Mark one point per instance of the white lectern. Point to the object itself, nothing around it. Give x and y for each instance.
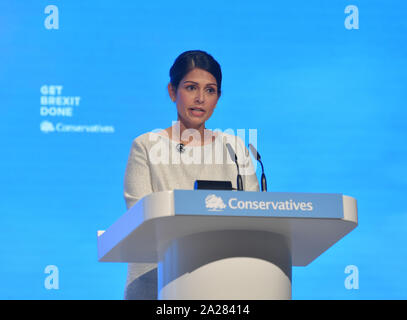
(212, 244)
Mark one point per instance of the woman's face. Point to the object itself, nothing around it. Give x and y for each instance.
(195, 97)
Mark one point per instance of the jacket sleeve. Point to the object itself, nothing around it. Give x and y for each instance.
(137, 184)
(137, 178)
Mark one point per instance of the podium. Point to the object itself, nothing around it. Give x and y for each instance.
(227, 245)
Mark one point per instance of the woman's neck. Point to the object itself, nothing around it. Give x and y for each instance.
(193, 136)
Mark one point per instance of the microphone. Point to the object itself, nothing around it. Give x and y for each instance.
(263, 177)
(180, 147)
(233, 156)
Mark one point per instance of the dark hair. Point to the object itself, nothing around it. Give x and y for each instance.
(189, 60)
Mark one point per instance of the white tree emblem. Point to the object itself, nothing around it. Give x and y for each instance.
(47, 126)
(214, 203)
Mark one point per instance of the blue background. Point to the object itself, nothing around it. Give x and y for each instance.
(328, 104)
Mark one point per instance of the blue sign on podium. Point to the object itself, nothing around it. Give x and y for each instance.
(262, 204)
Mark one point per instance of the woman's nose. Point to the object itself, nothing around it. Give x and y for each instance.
(200, 97)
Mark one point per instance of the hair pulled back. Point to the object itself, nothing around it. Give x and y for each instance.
(190, 60)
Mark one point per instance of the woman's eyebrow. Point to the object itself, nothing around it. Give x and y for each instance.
(213, 84)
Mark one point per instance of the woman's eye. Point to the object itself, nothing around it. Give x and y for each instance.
(190, 88)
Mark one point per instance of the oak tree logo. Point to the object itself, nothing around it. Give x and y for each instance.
(214, 203)
(47, 126)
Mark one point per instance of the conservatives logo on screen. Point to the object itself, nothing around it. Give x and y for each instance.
(55, 105)
(47, 126)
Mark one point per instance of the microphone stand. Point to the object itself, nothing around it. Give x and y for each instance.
(233, 156)
(263, 176)
(239, 177)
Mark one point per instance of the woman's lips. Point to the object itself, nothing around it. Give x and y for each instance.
(197, 112)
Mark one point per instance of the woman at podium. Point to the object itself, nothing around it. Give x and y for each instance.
(174, 158)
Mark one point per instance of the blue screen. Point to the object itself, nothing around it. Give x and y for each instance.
(322, 83)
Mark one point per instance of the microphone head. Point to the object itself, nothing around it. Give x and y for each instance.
(254, 152)
(180, 147)
(231, 152)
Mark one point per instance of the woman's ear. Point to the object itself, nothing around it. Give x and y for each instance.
(172, 92)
